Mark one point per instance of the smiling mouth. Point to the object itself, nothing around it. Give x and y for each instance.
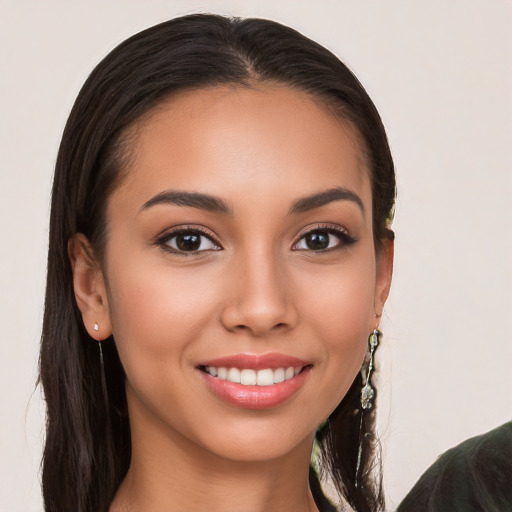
(250, 377)
(255, 381)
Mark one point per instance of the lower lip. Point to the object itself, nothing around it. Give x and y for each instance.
(256, 397)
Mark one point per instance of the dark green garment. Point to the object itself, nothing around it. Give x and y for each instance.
(475, 476)
(322, 503)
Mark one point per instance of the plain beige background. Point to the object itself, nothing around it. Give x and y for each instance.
(440, 74)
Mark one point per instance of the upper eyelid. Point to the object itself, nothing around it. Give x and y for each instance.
(170, 232)
(322, 226)
(342, 234)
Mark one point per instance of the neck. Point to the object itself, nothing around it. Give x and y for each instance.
(170, 474)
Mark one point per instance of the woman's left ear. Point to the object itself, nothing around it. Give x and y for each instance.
(89, 287)
(384, 269)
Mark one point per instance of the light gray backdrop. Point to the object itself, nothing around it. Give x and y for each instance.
(440, 74)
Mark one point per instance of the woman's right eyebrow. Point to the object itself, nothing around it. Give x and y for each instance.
(192, 199)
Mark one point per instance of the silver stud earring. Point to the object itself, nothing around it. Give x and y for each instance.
(96, 327)
(368, 392)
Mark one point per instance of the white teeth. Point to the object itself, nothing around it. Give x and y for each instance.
(265, 377)
(234, 375)
(249, 377)
(212, 370)
(279, 375)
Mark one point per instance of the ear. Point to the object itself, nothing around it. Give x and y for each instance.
(89, 286)
(384, 274)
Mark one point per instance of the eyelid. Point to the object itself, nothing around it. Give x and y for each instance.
(346, 239)
(163, 238)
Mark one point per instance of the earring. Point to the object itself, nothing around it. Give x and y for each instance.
(368, 392)
(367, 396)
(96, 328)
(103, 379)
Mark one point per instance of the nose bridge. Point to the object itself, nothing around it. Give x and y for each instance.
(260, 301)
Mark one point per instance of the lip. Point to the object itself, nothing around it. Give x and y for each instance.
(255, 397)
(256, 361)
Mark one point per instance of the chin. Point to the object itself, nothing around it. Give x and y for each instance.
(258, 439)
(257, 448)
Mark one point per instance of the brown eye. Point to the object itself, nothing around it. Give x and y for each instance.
(323, 240)
(317, 241)
(189, 241)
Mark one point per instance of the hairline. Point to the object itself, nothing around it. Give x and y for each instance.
(122, 150)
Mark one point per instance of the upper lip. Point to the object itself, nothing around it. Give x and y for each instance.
(255, 361)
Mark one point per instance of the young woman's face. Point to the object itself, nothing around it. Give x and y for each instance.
(240, 247)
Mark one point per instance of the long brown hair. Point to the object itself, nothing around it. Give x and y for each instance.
(88, 448)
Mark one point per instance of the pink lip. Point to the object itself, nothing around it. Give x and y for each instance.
(256, 397)
(256, 361)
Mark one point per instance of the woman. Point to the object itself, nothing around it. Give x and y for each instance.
(219, 259)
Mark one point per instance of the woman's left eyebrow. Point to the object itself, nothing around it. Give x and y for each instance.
(325, 197)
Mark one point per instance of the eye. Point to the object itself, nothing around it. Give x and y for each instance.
(187, 241)
(323, 239)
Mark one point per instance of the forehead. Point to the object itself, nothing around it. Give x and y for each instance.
(240, 141)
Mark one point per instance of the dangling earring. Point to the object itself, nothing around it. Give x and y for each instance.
(368, 392)
(367, 396)
(102, 368)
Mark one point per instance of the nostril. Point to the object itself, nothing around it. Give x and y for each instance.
(278, 327)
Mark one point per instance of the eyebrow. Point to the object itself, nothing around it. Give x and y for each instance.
(327, 196)
(215, 204)
(192, 199)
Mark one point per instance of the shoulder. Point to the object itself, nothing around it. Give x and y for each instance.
(475, 475)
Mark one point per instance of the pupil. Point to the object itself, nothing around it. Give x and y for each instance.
(188, 242)
(317, 241)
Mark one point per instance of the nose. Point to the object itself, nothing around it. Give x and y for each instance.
(260, 298)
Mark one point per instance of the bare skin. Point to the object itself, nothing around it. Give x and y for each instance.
(254, 283)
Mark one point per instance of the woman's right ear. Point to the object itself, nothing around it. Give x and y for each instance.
(89, 286)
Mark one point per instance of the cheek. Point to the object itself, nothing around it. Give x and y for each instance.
(156, 312)
(340, 314)
(341, 300)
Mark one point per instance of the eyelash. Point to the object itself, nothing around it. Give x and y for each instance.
(345, 240)
(163, 240)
